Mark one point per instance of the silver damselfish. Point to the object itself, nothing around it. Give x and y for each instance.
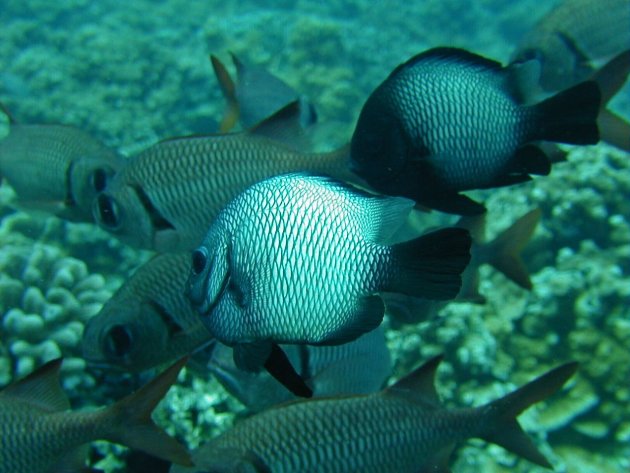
(300, 259)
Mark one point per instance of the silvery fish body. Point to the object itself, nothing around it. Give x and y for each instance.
(448, 120)
(148, 321)
(574, 37)
(358, 367)
(402, 429)
(55, 168)
(39, 434)
(299, 259)
(166, 196)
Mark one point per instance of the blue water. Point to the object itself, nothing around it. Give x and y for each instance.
(136, 72)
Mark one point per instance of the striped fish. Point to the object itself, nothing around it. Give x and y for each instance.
(39, 434)
(166, 197)
(401, 429)
(149, 321)
(55, 168)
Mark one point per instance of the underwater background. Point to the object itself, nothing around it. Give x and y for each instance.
(132, 73)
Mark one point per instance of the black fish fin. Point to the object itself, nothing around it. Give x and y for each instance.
(507, 180)
(453, 203)
(228, 88)
(431, 266)
(569, 116)
(279, 366)
(501, 426)
(74, 461)
(504, 252)
(612, 76)
(367, 314)
(41, 388)
(614, 130)
(438, 463)
(448, 54)
(530, 159)
(419, 385)
(129, 420)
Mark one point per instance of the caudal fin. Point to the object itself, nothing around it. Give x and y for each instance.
(131, 422)
(570, 116)
(504, 252)
(502, 427)
(431, 266)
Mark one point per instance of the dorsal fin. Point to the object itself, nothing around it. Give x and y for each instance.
(228, 88)
(454, 55)
(40, 388)
(6, 111)
(284, 126)
(419, 385)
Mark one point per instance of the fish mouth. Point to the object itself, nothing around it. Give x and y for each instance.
(210, 304)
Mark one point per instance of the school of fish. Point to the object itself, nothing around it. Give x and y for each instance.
(276, 264)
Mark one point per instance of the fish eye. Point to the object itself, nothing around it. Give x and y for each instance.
(118, 342)
(99, 179)
(108, 213)
(199, 260)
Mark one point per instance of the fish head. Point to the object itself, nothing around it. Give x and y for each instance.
(89, 177)
(126, 334)
(122, 211)
(380, 147)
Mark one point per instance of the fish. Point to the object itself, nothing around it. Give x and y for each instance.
(256, 94)
(448, 120)
(149, 321)
(57, 169)
(299, 259)
(573, 37)
(403, 428)
(165, 198)
(503, 253)
(358, 367)
(39, 433)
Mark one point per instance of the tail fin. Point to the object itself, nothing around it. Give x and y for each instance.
(431, 266)
(503, 428)
(131, 422)
(227, 86)
(570, 116)
(504, 252)
(615, 130)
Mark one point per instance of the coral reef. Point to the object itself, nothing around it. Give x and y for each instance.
(131, 78)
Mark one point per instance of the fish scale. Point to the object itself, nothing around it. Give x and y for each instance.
(300, 259)
(401, 429)
(448, 121)
(188, 180)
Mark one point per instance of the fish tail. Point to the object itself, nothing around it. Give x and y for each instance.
(501, 425)
(504, 252)
(228, 88)
(570, 116)
(615, 130)
(130, 420)
(431, 266)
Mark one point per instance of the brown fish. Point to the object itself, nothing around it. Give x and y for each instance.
(166, 196)
(149, 321)
(39, 434)
(56, 168)
(401, 429)
(573, 37)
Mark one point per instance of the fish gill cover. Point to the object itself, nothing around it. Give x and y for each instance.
(133, 73)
